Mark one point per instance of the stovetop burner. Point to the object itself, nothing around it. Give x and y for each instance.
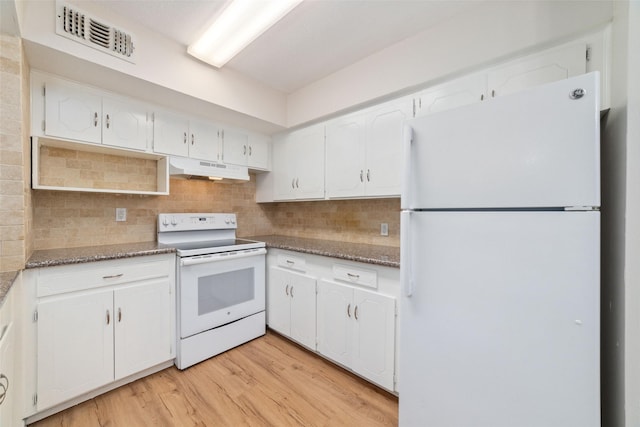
(202, 233)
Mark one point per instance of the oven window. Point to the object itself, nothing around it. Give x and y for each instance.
(219, 291)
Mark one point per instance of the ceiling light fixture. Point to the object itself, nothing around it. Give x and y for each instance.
(240, 23)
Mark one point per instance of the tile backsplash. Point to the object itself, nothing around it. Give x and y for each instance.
(65, 219)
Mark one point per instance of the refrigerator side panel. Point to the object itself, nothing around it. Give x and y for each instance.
(537, 148)
(501, 327)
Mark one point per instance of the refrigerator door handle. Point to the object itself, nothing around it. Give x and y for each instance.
(406, 275)
(405, 196)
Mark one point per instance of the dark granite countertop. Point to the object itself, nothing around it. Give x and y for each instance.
(388, 256)
(53, 257)
(6, 280)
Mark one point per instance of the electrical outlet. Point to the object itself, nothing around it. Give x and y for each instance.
(384, 229)
(121, 214)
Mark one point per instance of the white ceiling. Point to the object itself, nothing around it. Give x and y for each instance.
(316, 39)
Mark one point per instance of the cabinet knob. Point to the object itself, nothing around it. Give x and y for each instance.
(192, 139)
(286, 290)
(119, 315)
(95, 119)
(361, 175)
(355, 312)
(349, 310)
(244, 150)
(108, 317)
(184, 140)
(108, 121)
(249, 150)
(291, 291)
(368, 175)
(297, 183)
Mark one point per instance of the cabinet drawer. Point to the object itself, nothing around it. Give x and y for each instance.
(292, 262)
(359, 276)
(69, 278)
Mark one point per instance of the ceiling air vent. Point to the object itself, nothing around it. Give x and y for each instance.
(77, 25)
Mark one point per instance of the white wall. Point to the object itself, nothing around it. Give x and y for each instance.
(491, 31)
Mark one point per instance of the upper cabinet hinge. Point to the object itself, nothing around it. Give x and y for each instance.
(414, 107)
(588, 54)
(44, 126)
(35, 399)
(35, 316)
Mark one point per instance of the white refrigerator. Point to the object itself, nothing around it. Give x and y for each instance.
(500, 262)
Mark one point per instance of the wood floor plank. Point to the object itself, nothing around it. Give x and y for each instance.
(269, 381)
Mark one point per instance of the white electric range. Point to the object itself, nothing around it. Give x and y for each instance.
(220, 284)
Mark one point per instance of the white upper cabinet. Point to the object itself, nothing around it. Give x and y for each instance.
(179, 135)
(345, 168)
(384, 130)
(246, 149)
(259, 149)
(203, 140)
(76, 113)
(235, 146)
(298, 165)
(72, 112)
(546, 67)
(124, 124)
(364, 152)
(456, 93)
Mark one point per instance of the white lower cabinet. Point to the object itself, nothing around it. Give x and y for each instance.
(356, 328)
(292, 305)
(344, 310)
(98, 323)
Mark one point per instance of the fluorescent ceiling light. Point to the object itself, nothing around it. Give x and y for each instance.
(241, 22)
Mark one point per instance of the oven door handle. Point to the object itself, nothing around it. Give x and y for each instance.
(225, 256)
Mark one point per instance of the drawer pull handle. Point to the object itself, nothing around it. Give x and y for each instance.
(108, 317)
(113, 276)
(349, 310)
(353, 276)
(355, 312)
(4, 384)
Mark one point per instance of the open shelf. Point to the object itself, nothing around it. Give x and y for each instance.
(75, 166)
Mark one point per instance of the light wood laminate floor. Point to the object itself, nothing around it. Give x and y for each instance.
(267, 382)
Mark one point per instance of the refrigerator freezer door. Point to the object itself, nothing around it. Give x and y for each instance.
(537, 148)
(502, 325)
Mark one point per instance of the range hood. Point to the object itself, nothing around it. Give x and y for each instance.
(182, 167)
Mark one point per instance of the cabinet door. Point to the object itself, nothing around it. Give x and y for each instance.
(235, 146)
(278, 300)
(72, 113)
(374, 337)
(456, 93)
(142, 318)
(345, 168)
(384, 129)
(170, 134)
(284, 168)
(75, 346)
(308, 147)
(335, 316)
(8, 377)
(259, 152)
(203, 140)
(550, 66)
(124, 124)
(303, 309)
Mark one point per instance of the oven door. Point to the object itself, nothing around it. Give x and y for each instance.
(220, 288)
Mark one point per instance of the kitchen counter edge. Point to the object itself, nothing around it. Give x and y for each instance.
(54, 257)
(388, 256)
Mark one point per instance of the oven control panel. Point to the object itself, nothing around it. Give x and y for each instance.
(196, 221)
